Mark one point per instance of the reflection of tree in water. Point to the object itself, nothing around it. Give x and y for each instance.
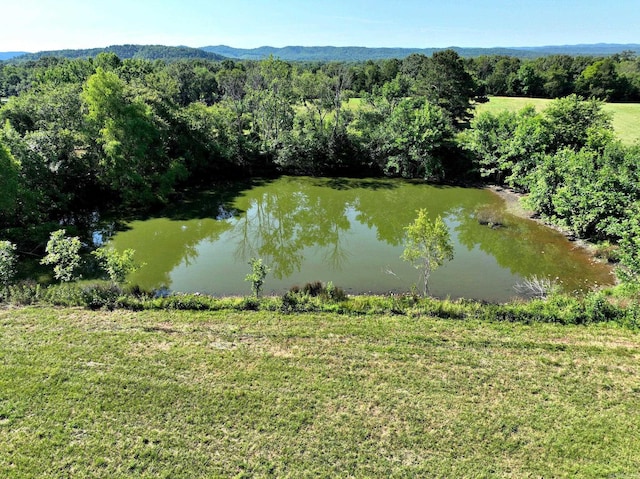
(290, 220)
(172, 237)
(163, 244)
(280, 224)
(391, 210)
(269, 230)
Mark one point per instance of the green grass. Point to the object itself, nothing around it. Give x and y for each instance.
(626, 116)
(257, 394)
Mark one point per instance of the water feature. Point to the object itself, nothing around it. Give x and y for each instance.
(349, 231)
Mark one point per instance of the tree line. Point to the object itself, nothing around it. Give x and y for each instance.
(613, 78)
(79, 135)
(86, 132)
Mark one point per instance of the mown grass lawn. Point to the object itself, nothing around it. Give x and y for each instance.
(258, 394)
(626, 116)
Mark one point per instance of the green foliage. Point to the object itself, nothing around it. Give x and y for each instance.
(414, 136)
(427, 245)
(117, 265)
(9, 183)
(588, 192)
(572, 119)
(629, 252)
(270, 94)
(132, 156)
(258, 273)
(444, 80)
(8, 262)
(101, 296)
(22, 293)
(64, 254)
(601, 80)
(78, 134)
(65, 294)
(407, 137)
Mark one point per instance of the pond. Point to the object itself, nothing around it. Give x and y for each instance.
(350, 232)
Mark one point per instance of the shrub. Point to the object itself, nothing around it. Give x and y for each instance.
(314, 288)
(101, 296)
(258, 272)
(64, 254)
(335, 293)
(117, 265)
(317, 289)
(7, 262)
(23, 293)
(64, 295)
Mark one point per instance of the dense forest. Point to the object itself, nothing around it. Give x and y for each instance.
(78, 135)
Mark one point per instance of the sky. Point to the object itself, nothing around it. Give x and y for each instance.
(37, 25)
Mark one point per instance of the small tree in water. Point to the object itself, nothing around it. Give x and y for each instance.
(258, 272)
(427, 245)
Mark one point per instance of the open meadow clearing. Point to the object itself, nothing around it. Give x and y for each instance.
(626, 116)
(260, 394)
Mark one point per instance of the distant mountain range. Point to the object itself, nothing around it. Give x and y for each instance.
(293, 53)
(320, 54)
(147, 52)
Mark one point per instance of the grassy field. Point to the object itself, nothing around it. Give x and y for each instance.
(257, 394)
(626, 116)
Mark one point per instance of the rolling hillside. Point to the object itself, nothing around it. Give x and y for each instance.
(328, 53)
(147, 52)
(316, 53)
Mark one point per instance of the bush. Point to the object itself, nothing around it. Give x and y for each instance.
(64, 254)
(64, 295)
(23, 293)
(117, 265)
(101, 296)
(7, 262)
(317, 289)
(598, 309)
(259, 272)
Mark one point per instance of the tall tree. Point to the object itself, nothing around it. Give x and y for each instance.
(446, 83)
(132, 156)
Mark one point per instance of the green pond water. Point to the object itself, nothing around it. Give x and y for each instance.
(349, 231)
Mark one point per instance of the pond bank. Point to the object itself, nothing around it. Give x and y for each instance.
(514, 206)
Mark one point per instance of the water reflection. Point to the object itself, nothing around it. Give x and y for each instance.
(349, 232)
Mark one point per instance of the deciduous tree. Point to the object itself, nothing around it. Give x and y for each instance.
(427, 245)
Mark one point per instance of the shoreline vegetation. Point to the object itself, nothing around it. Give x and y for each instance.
(543, 305)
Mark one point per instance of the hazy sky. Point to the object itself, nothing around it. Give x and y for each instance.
(34, 25)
